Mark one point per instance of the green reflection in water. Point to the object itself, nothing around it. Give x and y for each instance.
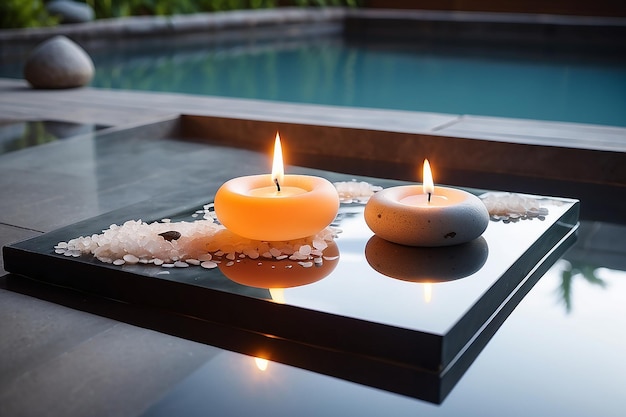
(24, 135)
(572, 270)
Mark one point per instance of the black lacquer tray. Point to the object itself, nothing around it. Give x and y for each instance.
(404, 319)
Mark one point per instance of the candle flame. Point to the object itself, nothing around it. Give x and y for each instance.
(427, 183)
(428, 292)
(278, 171)
(261, 363)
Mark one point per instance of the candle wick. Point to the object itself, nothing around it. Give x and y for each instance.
(429, 194)
(277, 184)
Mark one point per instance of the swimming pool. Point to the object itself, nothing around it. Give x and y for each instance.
(529, 83)
(433, 78)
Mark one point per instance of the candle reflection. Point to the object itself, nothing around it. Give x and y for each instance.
(276, 275)
(261, 364)
(278, 295)
(428, 292)
(426, 265)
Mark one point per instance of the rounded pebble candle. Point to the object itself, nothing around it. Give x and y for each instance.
(276, 207)
(426, 215)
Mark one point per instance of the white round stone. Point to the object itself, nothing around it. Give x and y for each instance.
(58, 63)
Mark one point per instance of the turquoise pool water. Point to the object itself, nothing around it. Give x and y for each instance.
(516, 82)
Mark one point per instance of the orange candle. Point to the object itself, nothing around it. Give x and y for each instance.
(276, 207)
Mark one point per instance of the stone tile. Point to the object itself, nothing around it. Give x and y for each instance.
(40, 201)
(118, 371)
(34, 332)
(535, 132)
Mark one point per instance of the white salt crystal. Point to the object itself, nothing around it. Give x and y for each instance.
(281, 257)
(59, 251)
(119, 262)
(306, 264)
(158, 261)
(250, 253)
(305, 250)
(230, 263)
(181, 264)
(208, 264)
(167, 265)
(130, 258)
(275, 252)
(319, 243)
(192, 261)
(331, 258)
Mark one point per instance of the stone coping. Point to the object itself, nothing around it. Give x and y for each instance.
(141, 26)
(177, 24)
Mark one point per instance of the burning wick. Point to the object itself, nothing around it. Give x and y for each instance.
(428, 185)
(278, 187)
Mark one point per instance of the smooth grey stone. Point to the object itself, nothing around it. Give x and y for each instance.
(58, 63)
(70, 11)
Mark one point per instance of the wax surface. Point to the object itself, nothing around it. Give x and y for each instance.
(249, 207)
(403, 215)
